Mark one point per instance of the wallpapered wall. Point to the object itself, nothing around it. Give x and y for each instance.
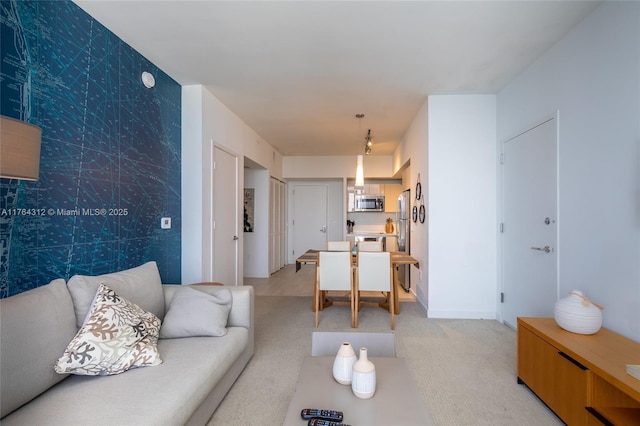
(110, 155)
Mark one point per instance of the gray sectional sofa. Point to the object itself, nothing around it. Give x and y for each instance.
(186, 388)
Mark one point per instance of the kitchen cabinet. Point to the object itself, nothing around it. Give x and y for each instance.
(582, 378)
(391, 193)
(368, 189)
(373, 189)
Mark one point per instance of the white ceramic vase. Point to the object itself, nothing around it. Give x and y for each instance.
(577, 314)
(363, 380)
(343, 364)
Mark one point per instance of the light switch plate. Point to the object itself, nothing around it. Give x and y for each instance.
(165, 223)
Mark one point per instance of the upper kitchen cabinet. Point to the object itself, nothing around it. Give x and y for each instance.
(367, 189)
(373, 189)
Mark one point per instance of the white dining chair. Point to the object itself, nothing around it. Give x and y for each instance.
(339, 245)
(374, 274)
(334, 274)
(369, 245)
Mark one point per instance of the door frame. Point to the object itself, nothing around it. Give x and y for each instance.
(500, 254)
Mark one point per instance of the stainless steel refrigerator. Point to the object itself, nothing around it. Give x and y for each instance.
(403, 228)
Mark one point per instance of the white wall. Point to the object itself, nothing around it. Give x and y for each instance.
(451, 146)
(592, 77)
(206, 122)
(462, 206)
(300, 167)
(192, 185)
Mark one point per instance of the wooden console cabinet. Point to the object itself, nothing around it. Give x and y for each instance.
(582, 378)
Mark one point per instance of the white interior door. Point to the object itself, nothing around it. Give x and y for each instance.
(225, 216)
(309, 218)
(530, 285)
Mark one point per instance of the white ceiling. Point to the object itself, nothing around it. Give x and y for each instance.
(297, 72)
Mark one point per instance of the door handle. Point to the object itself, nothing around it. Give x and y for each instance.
(545, 249)
(323, 229)
(235, 238)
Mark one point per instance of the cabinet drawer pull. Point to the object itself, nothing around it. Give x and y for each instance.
(573, 361)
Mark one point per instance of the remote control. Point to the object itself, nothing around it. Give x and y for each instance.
(323, 422)
(314, 413)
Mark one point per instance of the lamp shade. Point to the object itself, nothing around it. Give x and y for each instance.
(19, 149)
(359, 172)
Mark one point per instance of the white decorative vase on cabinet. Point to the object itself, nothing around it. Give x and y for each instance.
(343, 364)
(363, 380)
(577, 314)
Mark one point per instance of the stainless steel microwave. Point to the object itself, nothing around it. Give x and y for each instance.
(369, 203)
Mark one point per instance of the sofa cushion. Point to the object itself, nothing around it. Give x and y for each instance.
(35, 328)
(196, 313)
(118, 335)
(140, 285)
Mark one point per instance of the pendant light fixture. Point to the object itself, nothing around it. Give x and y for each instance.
(369, 143)
(359, 159)
(359, 172)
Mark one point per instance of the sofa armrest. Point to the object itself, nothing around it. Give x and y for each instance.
(241, 314)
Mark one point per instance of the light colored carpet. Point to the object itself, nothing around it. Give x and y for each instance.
(465, 369)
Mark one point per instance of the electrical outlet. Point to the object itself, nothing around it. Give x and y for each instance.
(165, 223)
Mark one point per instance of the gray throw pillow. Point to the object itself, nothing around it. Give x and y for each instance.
(140, 285)
(195, 313)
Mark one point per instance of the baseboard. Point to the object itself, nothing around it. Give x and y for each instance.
(434, 313)
(423, 307)
(254, 275)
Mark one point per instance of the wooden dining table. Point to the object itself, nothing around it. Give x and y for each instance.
(397, 258)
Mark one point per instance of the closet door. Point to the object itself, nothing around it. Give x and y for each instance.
(276, 225)
(283, 224)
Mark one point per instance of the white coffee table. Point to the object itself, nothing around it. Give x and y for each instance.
(397, 400)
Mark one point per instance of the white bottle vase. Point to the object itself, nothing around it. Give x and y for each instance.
(363, 380)
(577, 314)
(343, 364)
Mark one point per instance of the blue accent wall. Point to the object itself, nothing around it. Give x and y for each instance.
(110, 155)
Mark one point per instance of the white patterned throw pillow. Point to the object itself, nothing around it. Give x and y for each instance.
(116, 336)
